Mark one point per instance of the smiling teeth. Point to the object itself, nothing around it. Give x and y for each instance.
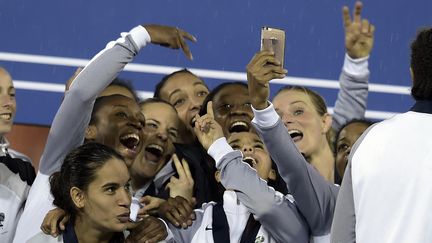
(239, 123)
(155, 146)
(291, 132)
(6, 116)
(132, 135)
(193, 121)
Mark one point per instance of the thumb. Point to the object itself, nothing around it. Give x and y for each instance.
(146, 199)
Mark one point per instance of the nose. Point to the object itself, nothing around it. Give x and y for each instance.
(287, 119)
(6, 100)
(195, 103)
(136, 123)
(247, 149)
(124, 198)
(162, 135)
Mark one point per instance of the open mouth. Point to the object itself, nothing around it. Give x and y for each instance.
(154, 153)
(130, 141)
(239, 126)
(192, 122)
(6, 116)
(296, 135)
(251, 161)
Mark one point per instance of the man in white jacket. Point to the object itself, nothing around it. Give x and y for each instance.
(385, 194)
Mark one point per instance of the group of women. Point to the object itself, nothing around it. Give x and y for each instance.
(111, 164)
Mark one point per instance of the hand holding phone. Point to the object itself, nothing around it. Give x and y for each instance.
(273, 39)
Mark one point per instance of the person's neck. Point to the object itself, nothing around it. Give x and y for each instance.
(87, 233)
(323, 161)
(186, 136)
(137, 181)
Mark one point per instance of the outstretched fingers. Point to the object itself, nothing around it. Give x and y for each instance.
(357, 12)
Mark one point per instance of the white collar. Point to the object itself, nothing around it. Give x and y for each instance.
(232, 204)
(4, 145)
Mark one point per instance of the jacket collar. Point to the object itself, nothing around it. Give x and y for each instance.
(4, 145)
(423, 106)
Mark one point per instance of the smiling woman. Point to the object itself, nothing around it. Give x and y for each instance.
(186, 92)
(117, 119)
(8, 103)
(16, 172)
(161, 128)
(117, 122)
(232, 107)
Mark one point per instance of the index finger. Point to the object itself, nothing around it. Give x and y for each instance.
(346, 16)
(178, 166)
(187, 35)
(186, 169)
(357, 11)
(210, 109)
(185, 48)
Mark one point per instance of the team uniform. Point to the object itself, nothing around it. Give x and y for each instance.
(69, 125)
(16, 176)
(277, 215)
(314, 196)
(385, 195)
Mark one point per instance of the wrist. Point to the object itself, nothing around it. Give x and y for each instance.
(152, 31)
(260, 105)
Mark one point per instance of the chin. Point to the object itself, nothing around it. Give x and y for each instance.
(4, 130)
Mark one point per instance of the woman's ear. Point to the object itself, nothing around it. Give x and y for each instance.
(272, 175)
(327, 120)
(90, 133)
(412, 74)
(217, 176)
(77, 196)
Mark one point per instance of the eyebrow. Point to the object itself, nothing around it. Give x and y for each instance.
(158, 122)
(234, 141)
(175, 91)
(178, 90)
(198, 83)
(149, 119)
(258, 141)
(110, 184)
(122, 106)
(297, 101)
(224, 96)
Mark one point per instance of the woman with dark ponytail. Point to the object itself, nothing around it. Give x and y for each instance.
(93, 188)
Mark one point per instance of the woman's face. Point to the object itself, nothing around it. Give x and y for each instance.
(347, 137)
(7, 102)
(186, 92)
(119, 125)
(105, 203)
(232, 109)
(162, 127)
(254, 153)
(307, 128)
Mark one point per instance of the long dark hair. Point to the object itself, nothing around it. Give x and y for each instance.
(79, 169)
